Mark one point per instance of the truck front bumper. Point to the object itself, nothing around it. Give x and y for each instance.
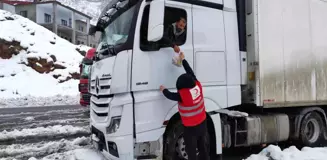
(84, 99)
(125, 148)
(113, 148)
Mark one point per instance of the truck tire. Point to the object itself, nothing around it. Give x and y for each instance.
(174, 148)
(312, 130)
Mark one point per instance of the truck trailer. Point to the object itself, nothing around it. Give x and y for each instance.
(261, 63)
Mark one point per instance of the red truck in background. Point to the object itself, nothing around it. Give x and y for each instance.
(84, 78)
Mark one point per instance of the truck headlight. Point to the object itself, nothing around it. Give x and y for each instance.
(114, 125)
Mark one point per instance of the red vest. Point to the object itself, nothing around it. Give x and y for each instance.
(191, 109)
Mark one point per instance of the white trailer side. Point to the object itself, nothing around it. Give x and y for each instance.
(287, 49)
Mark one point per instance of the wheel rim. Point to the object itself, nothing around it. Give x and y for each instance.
(180, 149)
(312, 130)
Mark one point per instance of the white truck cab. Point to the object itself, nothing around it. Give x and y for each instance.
(131, 119)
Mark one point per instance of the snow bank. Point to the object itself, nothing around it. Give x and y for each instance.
(82, 49)
(18, 78)
(24, 151)
(42, 131)
(33, 101)
(292, 153)
(77, 154)
(76, 149)
(39, 41)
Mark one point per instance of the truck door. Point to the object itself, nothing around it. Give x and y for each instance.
(210, 56)
(152, 66)
(152, 61)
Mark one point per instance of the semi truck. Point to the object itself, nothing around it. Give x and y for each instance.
(83, 86)
(262, 64)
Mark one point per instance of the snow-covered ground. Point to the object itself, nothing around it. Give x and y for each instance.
(79, 148)
(42, 131)
(37, 101)
(75, 149)
(51, 133)
(77, 154)
(292, 153)
(21, 85)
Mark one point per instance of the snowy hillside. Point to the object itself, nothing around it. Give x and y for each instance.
(34, 62)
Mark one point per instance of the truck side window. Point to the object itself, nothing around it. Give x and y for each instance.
(175, 19)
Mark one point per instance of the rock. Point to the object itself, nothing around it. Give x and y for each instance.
(75, 75)
(56, 76)
(43, 66)
(8, 49)
(53, 58)
(58, 66)
(9, 18)
(67, 79)
(39, 65)
(53, 41)
(83, 53)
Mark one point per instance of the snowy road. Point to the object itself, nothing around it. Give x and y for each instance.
(55, 132)
(47, 133)
(32, 117)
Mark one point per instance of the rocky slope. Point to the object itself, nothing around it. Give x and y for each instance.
(27, 49)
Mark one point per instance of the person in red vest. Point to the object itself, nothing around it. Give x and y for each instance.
(192, 111)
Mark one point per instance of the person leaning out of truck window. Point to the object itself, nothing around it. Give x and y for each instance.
(175, 34)
(192, 111)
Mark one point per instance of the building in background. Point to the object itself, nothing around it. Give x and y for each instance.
(64, 21)
(7, 7)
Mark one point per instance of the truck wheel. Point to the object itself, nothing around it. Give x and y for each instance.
(174, 143)
(311, 131)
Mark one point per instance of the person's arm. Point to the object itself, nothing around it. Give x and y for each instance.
(172, 96)
(186, 66)
(166, 37)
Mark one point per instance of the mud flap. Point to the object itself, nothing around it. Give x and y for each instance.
(217, 126)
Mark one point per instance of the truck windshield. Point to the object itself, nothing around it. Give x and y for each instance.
(85, 70)
(117, 31)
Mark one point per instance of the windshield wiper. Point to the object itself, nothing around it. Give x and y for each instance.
(108, 50)
(111, 50)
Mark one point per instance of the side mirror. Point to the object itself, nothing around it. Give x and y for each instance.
(92, 30)
(156, 20)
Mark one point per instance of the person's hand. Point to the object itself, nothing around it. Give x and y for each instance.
(182, 56)
(177, 49)
(162, 88)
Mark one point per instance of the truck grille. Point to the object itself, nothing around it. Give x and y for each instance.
(102, 88)
(86, 97)
(100, 107)
(100, 99)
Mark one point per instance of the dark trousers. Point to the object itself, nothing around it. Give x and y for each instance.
(195, 137)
